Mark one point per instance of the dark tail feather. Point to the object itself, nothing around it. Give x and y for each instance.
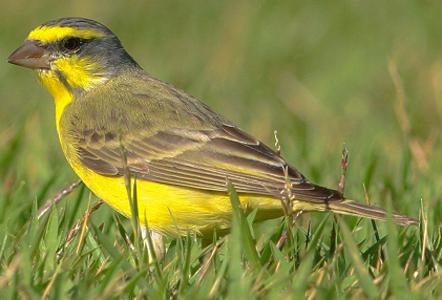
(353, 208)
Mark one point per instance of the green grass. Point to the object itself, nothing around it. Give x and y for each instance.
(364, 74)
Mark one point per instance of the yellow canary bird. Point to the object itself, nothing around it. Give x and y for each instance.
(180, 151)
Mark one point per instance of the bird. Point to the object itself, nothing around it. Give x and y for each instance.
(115, 120)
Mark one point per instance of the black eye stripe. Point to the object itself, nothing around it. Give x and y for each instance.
(72, 43)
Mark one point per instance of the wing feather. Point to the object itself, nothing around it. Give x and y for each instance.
(200, 160)
(171, 138)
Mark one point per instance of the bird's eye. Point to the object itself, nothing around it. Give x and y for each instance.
(71, 44)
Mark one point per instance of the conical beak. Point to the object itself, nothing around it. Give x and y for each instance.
(30, 55)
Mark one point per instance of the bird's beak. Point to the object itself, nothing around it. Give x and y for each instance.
(30, 55)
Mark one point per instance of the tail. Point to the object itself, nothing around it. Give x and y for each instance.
(353, 208)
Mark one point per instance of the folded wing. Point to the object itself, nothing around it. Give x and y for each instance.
(198, 159)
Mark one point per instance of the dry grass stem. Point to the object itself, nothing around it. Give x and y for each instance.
(77, 226)
(205, 267)
(284, 235)
(58, 197)
(277, 144)
(344, 166)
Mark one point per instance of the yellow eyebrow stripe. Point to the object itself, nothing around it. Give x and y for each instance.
(48, 34)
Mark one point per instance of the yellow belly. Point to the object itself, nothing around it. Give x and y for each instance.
(174, 210)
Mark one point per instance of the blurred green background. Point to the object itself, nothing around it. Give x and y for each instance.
(321, 73)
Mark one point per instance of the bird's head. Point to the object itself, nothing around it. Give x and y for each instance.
(72, 55)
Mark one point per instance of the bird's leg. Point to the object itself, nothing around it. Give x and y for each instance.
(157, 243)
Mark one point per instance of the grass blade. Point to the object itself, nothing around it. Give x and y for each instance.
(362, 274)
